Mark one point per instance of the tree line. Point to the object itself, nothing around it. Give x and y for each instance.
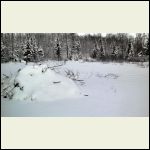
(35, 47)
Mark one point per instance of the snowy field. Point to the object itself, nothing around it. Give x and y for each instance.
(76, 89)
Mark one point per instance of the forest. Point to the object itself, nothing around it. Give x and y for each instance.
(35, 47)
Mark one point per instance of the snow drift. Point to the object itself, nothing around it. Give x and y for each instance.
(43, 84)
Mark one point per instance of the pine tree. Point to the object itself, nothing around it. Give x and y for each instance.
(67, 45)
(115, 51)
(31, 51)
(130, 51)
(147, 47)
(40, 53)
(28, 52)
(15, 48)
(34, 49)
(75, 47)
(12, 47)
(6, 51)
(94, 52)
(22, 48)
(73, 50)
(17, 52)
(3, 52)
(58, 50)
(100, 51)
(76, 50)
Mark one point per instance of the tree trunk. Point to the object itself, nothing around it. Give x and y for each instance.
(67, 47)
(12, 43)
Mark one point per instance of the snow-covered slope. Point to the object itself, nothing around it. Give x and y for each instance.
(106, 89)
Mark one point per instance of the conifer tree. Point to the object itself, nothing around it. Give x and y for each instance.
(58, 50)
(130, 50)
(31, 51)
(3, 52)
(28, 52)
(147, 47)
(40, 53)
(94, 52)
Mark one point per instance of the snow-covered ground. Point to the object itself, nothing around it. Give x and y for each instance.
(77, 89)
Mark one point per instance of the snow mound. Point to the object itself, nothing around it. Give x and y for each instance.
(43, 84)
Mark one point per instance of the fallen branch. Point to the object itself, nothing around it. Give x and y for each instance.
(54, 67)
(4, 89)
(58, 65)
(79, 80)
(6, 76)
(56, 82)
(48, 67)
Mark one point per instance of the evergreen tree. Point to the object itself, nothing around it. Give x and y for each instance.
(76, 50)
(3, 52)
(147, 47)
(67, 45)
(102, 54)
(40, 53)
(114, 53)
(100, 51)
(94, 52)
(22, 48)
(75, 45)
(58, 50)
(31, 51)
(102, 48)
(12, 56)
(6, 52)
(34, 49)
(27, 53)
(73, 50)
(139, 44)
(17, 52)
(130, 51)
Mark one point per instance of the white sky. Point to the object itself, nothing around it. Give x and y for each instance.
(104, 34)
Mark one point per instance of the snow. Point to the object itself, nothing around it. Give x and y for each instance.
(107, 90)
(103, 34)
(11, 68)
(43, 86)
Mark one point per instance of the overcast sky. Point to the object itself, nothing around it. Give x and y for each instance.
(104, 34)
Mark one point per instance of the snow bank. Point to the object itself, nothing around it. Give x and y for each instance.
(11, 68)
(42, 84)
